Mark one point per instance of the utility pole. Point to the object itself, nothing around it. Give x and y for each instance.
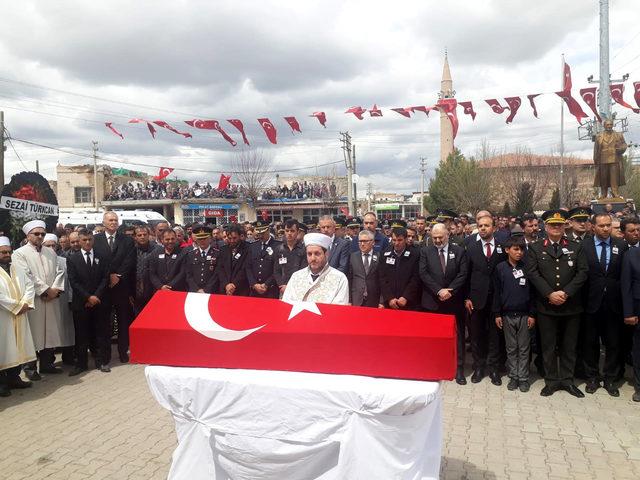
(37, 166)
(348, 161)
(355, 184)
(369, 195)
(2, 149)
(422, 168)
(561, 189)
(94, 145)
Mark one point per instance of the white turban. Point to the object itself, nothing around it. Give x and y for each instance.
(319, 239)
(5, 242)
(51, 236)
(27, 227)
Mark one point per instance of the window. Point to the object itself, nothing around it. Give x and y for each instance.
(83, 194)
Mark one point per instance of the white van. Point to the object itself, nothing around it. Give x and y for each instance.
(126, 217)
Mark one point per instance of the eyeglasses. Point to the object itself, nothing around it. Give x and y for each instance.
(364, 241)
(39, 234)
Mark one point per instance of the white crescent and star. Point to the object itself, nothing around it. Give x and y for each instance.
(196, 311)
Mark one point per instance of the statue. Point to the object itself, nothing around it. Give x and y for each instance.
(607, 156)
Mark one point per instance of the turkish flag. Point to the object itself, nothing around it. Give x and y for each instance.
(322, 118)
(211, 125)
(468, 109)
(495, 105)
(344, 210)
(163, 124)
(617, 92)
(375, 111)
(589, 97)
(357, 111)
(448, 105)
(224, 181)
(405, 112)
(514, 104)
(573, 105)
(109, 125)
(163, 173)
(533, 103)
(420, 108)
(293, 123)
(238, 124)
(566, 78)
(223, 331)
(264, 214)
(269, 129)
(151, 128)
(636, 93)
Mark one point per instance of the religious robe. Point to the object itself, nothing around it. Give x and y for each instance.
(16, 343)
(48, 327)
(331, 286)
(68, 332)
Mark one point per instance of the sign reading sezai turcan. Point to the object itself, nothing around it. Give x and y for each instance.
(202, 330)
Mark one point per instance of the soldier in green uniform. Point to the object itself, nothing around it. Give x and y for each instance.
(557, 268)
(578, 218)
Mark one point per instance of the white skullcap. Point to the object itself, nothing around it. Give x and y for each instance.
(5, 242)
(50, 236)
(27, 227)
(319, 239)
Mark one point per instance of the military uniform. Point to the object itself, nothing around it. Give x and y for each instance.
(553, 267)
(259, 266)
(200, 268)
(399, 276)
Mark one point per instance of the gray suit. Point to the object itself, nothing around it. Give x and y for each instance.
(339, 254)
(359, 281)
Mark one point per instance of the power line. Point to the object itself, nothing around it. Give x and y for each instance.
(8, 137)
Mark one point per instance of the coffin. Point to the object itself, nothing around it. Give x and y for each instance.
(202, 330)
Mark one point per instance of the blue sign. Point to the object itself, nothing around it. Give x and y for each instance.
(198, 206)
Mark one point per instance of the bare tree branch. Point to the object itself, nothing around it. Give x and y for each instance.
(254, 172)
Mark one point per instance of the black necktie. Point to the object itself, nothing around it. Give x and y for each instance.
(603, 256)
(314, 276)
(88, 254)
(203, 254)
(555, 249)
(443, 263)
(111, 242)
(367, 264)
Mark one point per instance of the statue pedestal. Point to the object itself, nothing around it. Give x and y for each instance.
(617, 203)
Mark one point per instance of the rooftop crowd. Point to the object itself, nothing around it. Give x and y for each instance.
(533, 297)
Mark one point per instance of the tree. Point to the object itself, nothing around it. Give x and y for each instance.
(506, 209)
(554, 204)
(524, 199)
(253, 171)
(459, 184)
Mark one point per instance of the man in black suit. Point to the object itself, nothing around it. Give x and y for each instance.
(200, 261)
(119, 251)
(166, 266)
(557, 268)
(443, 271)
(398, 271)
(483, 256)
(630, 282)
(232, 274)
(340, 248)
(262, 283)
(604, 305)
(364, 286)
(290, 256)
(89, 279)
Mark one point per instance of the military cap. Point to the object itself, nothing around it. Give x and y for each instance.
(354, 222)
(340, 220)
(444, 214)
(398, 223)
(200, 230)
(260, 226)
(554, 216)
(303, 227)
(517, 231)
(580, 213)
(312, 223)
(432, 219)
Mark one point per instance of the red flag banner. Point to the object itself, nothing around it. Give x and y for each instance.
(163, 173)
(269, 129)
(109, 125)
(240, 127)
(533, 103)
(375, 111)
(566, 80)
(151, 128)
(420, 108)
(357, 112)
(293, 123)
(322, 118)
(448, 106)
(589, 97)
(224, 181)
(573, 105)
(617, 93)
(164, 124)
(636, 93)
(495, 105)
(211, 125)
(468, 109)
(514, 104)
(405, 112)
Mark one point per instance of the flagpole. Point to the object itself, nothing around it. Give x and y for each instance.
(561, 196)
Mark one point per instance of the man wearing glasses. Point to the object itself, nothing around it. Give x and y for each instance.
(45, 321)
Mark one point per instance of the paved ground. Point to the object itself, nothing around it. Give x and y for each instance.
(107, 426)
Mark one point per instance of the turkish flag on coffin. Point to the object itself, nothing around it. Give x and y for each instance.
(201, 330)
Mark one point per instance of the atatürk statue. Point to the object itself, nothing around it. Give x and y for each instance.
(607, 156)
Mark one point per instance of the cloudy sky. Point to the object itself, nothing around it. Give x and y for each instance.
(67, 67)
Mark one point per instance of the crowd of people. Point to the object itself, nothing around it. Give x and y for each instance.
(302, 190)
(155, 190)
(548, 292)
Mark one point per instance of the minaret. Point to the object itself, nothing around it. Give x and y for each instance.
(446, 131)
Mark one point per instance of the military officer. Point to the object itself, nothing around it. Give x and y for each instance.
(557, 268)
(447, 217)
(259, 267)
(200, 262)
(578, 218)
(290, 256)
(354, 225)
